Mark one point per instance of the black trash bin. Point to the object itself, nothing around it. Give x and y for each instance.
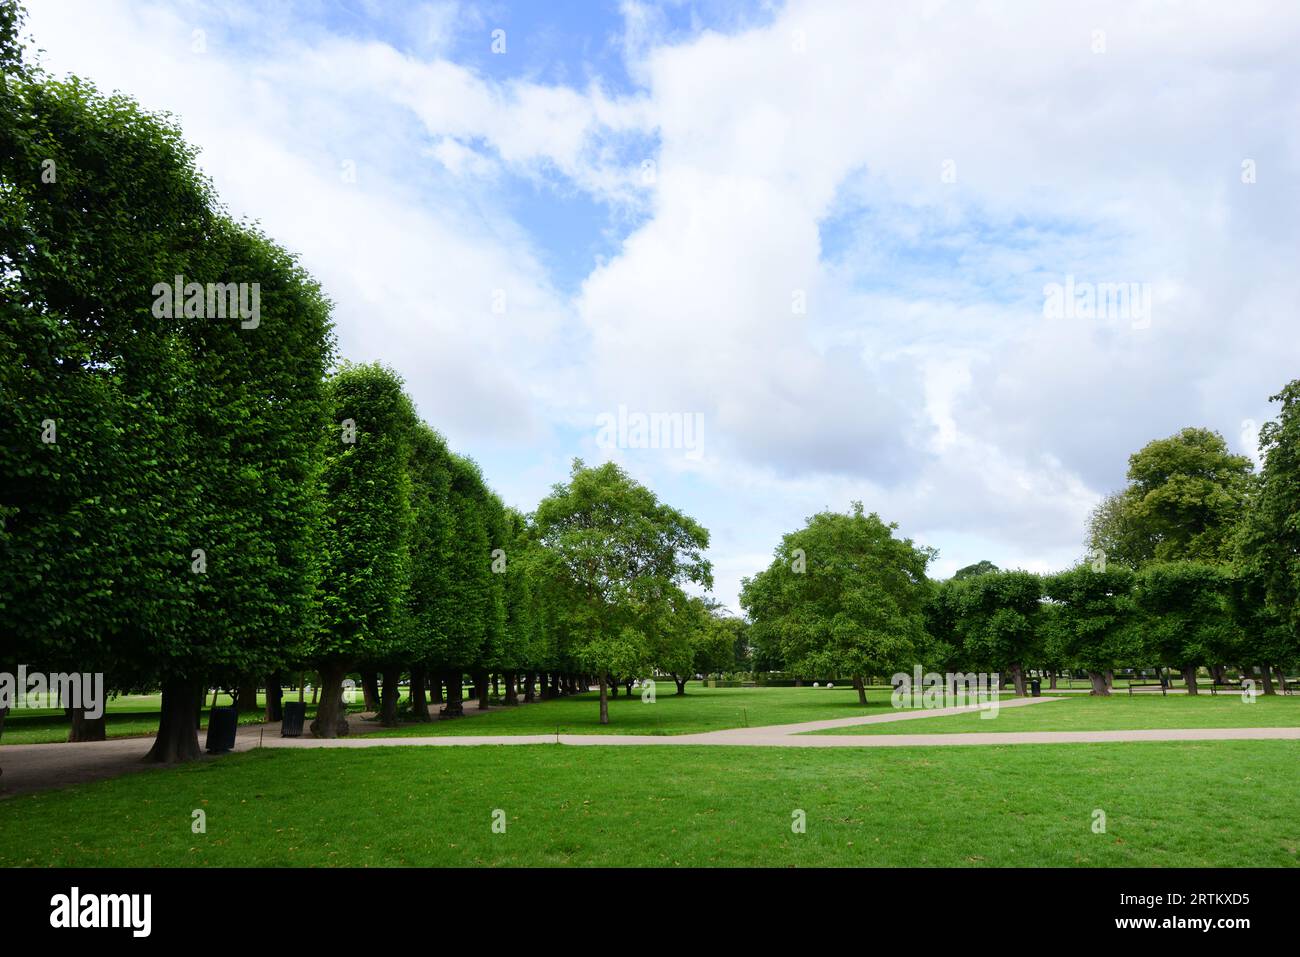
(1035, 688)
(222, 724)
(295, 714)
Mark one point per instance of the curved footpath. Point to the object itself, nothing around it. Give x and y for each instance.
(38, 767)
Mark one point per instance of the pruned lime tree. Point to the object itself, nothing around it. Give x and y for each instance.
(998, 619)
(1267, 597)
(513, 564)
(475, 606)
(1183, 616)
(158, 513)
(615, 555)
(1095, 617)
(432, 544)
(366, 532)
(843, 597)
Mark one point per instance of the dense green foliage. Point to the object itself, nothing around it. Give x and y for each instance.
(157, 511)
(617, 558)
(1184, 497)
(843, 596)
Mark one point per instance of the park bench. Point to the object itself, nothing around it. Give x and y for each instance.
(1226, 685)
(1162, 685)
(1140, 680)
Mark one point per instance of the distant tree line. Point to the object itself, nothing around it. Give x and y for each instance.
(1194, 566)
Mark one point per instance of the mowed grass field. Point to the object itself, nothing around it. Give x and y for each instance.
(1220, 804)
(700, 709)
(714, 709)
(1118, 712)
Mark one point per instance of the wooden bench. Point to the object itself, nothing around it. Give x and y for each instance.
(1227, 685)
(1162, 685)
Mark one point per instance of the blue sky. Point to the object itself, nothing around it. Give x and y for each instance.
(823, 230)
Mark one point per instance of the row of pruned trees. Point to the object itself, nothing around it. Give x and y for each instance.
(1182, 615)
(428, 577)
(193, 495)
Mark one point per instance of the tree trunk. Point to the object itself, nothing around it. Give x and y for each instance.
(1266, 673)
(274, 698)
(419, 703)
(1281, 681)
(861, 689)
(1099, 685)
(604, 699)
(1110, 679)
(681, 684)
(544, 685)
(435, 687)
(370, 691)
(481, 689)
(1189, 678)
(389, 697)
(178, 719)
(331, 714)
(496, 685)
(613, 687)
(1018, 678)
(87, 729)
(1051, 678)
(528, 688)
(246, 696)
(512, 695)
(455, 707)
(215, 692)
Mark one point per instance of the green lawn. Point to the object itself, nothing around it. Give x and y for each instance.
(700, 709)
(1231, 803)
(712, 709)
(1118, 712)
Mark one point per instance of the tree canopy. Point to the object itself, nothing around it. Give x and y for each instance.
(843, 596)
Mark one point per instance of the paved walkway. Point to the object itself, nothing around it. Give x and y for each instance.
(36, 767)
